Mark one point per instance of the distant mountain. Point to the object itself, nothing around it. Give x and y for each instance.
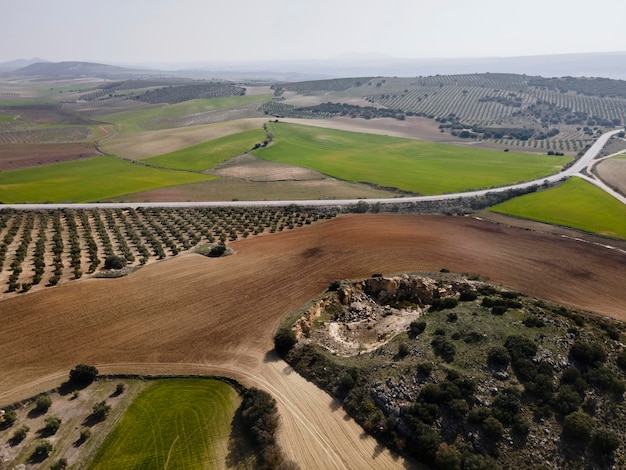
(18, 64)
(80, 69)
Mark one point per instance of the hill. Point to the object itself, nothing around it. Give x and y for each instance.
(74, 69)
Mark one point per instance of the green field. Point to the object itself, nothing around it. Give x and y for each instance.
(174, 423)
(410, 165)
(208, 154)
(131, 121)
(88, 180)
(576, 203)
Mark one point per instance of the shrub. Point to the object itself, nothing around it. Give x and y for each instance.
(417, 327)
(119, 389)
(498, 357)
(284, 340)
(19, 434)
(52, 425)
(60, 464)
(492, 429)
(101, 410)
(577, 427)
(83, 374)
(8, 419)
(507, 405)
(84, 435)
(468, 295)
(43, 403)
(42, 450)
(403, 350)
(589, 355)
(520, 347)
(443, 348)
(498, 310)
(604, 442)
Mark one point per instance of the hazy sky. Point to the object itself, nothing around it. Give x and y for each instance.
(149, 31)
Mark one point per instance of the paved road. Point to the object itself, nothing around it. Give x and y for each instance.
(578, 169)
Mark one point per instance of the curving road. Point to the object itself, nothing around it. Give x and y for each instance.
(578, 168)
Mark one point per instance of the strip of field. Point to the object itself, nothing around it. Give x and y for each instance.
(150, 143)
(414, 166)
(192, 314)
(576, 203)
(132, 121)
(174, 423)
(206, 155)
(93, 179)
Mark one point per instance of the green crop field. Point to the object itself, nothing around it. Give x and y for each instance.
(410, 165)
(208, 154)
(93, 179)
(174, 423)
(576, 203)
(131, 121)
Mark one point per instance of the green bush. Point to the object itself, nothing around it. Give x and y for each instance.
(43, 403)
(604, 442)
(577, 427)
(101, 410)
(19, 434)
(42, 450)
(52, 425)
(588, 354)
(443, 348)
(498, 357)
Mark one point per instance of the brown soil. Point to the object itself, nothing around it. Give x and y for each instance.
(250, 168)
(15, 156)
(193, 313)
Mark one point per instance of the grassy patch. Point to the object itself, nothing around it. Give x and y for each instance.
(409, 165)
(174, 423)
(86, 180)
(206, 155)
(576, 203)
(131, 121)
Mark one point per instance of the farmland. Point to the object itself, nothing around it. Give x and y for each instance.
(177, 312)
(177, 423)
(426, 168)
(234, 304)
(576, 203)
(93, 179)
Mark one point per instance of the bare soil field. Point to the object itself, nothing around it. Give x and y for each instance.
(251, 168)
(613, 172)
(15, 156)
(196, 314)
(231, 189)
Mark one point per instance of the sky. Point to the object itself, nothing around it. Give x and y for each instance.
(236, 31)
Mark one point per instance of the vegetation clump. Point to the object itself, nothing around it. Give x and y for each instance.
(462, 388)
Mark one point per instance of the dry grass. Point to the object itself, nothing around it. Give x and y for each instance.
(613, 172)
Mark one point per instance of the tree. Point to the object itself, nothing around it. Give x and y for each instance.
(8, 418)
(19, 434)
(83, 375)
(284, 340)
(60, 464)
(101, 410)
(42, 403)
(604, 442)
(52, 425)
(42, 450)
(114, 262)
(498, 357)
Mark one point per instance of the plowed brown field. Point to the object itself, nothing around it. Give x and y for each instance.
(197, 314)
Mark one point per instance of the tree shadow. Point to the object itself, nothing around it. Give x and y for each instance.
(36, 413)
(271, 356)
(93, 419)
(242, 450)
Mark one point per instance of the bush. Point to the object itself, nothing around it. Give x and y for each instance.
(492, 429)
(284, 340)
(589, 355)
(468, 295)
(443, 348)
(621, 360)
(60, 464)
(577, 427)
(43, 403)
(520, 347)
(42, 450)
(498, 357)
(403, 350)
(83, 375)
(604, 442)
(52, 425)
(19, 434)
(101, 410)
(8, 419)
(417, 327)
